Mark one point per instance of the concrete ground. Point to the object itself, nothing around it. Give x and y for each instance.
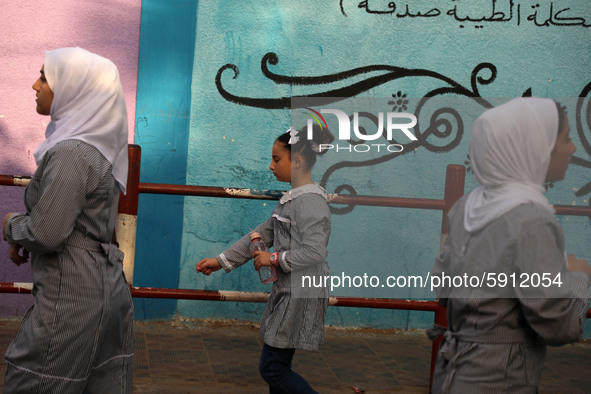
(193, 356)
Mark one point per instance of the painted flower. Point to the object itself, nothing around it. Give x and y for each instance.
(399, 103)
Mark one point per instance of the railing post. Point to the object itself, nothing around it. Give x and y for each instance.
(127, 218)
(455, 177)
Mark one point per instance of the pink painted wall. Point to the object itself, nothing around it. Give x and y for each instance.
(29, 27)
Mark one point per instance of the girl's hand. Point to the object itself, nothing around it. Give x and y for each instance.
(17, 258)
(207, 266)
(261, 259)
(575, 264)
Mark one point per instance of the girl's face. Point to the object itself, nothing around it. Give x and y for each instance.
(44, 94)
(560, 156)
(281, 162)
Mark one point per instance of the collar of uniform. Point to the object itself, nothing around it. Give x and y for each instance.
(298, 191)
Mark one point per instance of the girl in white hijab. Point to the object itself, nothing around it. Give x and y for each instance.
(78, 335)
(510, 153)
(505, 232)
(88, 105)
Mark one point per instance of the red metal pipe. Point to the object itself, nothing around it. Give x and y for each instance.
(226, 192)
(573, 210)
(454, 189)
(128, 202)
(209, 191)
(14, 180)
(191, 294)
(18, 288)
(241, 296)
(455, 177)
(377, 201)
(212, 191)
(384, 303)
(127, 217)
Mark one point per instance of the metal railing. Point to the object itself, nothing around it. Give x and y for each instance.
(128, 207)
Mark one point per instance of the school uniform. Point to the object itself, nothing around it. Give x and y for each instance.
(78, 335)
(299, 229)
(512, 293)
(496, 337)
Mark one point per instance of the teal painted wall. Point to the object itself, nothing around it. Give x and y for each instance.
(233, 124)
(167, 47)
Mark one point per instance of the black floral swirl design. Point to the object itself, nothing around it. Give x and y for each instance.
(583, 119)
(399, 103)
(445, 124)
(386, 74)
(439, 119)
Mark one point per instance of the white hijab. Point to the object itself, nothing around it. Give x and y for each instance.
(88, 105)
(509, 154)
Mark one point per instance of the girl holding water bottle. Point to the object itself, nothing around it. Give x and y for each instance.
(298, 230)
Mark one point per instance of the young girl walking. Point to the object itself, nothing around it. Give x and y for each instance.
(78, 335)
(497, 336)
(298, 230)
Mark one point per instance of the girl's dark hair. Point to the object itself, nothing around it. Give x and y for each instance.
(561, 115)
(309, 149)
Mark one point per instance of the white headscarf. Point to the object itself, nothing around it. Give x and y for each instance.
(88, 105)
(510, 152)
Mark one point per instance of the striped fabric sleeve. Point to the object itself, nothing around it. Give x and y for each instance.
(559, 320)
(64, 177)
(312, 217)
(554, 312)
(239, 252)
(580, 283)
(9, 227)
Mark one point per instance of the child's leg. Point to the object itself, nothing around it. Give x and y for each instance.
(275, 368)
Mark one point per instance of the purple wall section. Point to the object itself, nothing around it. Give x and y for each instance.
(108, 27)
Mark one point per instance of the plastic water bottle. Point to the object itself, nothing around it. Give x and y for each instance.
(267, 274)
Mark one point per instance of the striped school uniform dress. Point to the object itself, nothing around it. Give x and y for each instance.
(78, 335)
(299, 229)
(497, 336)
